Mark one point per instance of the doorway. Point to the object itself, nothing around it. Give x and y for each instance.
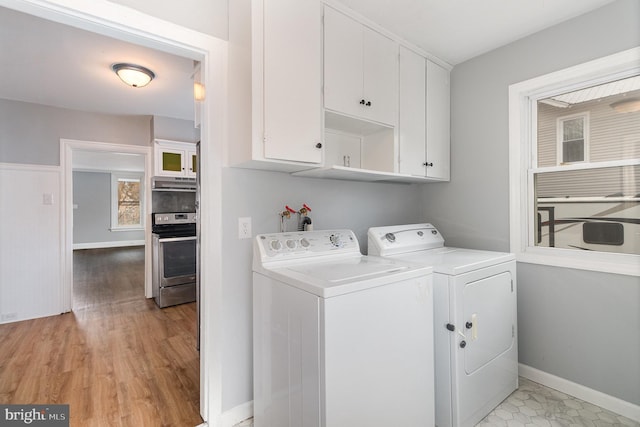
(109, 219)
(118, 22)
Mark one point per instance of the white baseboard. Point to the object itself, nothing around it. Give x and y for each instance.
(611, 403)
(114, 244)
(238, 414)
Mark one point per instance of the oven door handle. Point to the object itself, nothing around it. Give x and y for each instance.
(176, 239)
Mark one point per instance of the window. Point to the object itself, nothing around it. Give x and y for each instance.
(575, 166)
(573, 138)
(127, 201)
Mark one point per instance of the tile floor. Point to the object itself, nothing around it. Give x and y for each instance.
(534, 405)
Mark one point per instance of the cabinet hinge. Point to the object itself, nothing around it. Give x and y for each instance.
(264, 138)
(512, 285)
(513, 331)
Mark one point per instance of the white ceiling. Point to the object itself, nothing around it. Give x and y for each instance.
(457, 30)
(48, 63)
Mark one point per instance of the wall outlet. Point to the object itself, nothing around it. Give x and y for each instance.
(244, 228)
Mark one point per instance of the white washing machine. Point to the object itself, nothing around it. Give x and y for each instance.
(476, 351)
(340, 339)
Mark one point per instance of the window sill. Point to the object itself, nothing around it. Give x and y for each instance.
(625, 264)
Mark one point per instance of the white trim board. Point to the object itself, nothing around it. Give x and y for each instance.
(238, 414)
(611, 403)
(102, 245)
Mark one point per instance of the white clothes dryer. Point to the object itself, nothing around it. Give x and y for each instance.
(340, 339)
(475, 309)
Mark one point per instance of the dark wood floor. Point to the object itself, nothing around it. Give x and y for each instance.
(117, 359)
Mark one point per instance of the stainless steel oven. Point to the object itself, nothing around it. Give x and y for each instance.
(174, 258)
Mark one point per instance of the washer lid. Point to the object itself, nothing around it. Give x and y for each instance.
(342, 276)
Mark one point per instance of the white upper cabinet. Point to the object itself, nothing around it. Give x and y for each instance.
(174, 158)
(424, 117)
(413, 112)
(438, 122)
(360, 70)
(275, 84)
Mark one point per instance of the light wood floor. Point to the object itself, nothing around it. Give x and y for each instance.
(117, 359)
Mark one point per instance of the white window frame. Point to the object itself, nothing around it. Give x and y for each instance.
(523, 98)
(115, 177)
(560, 137)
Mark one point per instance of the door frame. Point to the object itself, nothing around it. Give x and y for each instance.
(123, 23)
(67, 147)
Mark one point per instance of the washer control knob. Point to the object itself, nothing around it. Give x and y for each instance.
(450, 327)
(276, 245)
(463, 344)
(335, 240)
(390, 237)
(468, 325)
(304, 243)
(291, 244)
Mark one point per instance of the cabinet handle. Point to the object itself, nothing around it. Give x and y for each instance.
(362, 101)
(368, 104)
(427, 164)
(318, 145)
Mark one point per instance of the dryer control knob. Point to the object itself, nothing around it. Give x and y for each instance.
(463, 344)
(450, 327)
(304, 243)
(335, 240)
(468, 325)
(390, 237)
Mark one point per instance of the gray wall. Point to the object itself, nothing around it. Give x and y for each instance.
(30, 133)
(262, 196)
(174, 129)
(473, 209)
(92, 218)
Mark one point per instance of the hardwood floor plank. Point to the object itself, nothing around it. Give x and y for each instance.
(117, 359)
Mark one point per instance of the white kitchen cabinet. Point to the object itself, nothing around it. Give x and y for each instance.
(360, 70)
(174, 158)
(275, 84)
(438, 122)
(424, 117)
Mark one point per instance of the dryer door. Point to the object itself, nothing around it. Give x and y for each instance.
(487, 320)
(484, 347)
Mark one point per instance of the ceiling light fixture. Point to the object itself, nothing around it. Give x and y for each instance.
(627, 105)
(133, 75)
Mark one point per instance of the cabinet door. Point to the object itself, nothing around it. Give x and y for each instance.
(343, 63)
(170, 162)
(292, 80)
(412, 128)
(192, 164)
(438, 104)
(380, 58)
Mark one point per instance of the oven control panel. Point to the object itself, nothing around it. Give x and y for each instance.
(174, 218)
(305, 244)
